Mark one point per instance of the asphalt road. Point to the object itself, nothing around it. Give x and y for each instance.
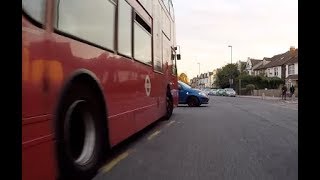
(230, 138)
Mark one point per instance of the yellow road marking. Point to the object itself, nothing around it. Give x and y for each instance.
(153, 135)
(170, 123)
(114, 162)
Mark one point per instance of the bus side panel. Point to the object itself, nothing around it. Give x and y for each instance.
(166, 40)
(123, 84)
(38, 158)
(120, 127)
(36, 52)
(38, 148)
(116, 76)
(146, 112)
(38, 161)
(174, 90)
(161, 90)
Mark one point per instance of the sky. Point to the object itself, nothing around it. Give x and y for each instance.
(254, 28)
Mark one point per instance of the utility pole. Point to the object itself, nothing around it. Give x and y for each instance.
(231, 80)
(199, 76)
(239, 86)
(231, 52)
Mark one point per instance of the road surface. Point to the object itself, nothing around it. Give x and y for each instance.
(230, 138)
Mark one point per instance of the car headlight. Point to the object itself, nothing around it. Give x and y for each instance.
(203, 94)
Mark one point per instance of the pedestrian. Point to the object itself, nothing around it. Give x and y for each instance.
(284, 92)
(292, 90)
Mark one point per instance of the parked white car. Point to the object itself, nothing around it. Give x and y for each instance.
(213, 92)
(230, 92)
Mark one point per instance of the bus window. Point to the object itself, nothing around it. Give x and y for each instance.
(166, 26)
(124, 28)
(147, 4)
(94, 23)
(142, 40)
(171, 11)
(157, 38)
(35, 9)
(166, 3)
(166, 51)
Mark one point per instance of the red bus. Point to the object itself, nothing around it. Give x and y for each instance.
(94, 72)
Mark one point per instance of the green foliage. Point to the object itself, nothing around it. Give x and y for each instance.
(243, 67)
(229, 71)
(184, 78)
(244, 91)
(260, 82)
(250, 87)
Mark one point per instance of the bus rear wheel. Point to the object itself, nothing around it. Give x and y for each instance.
(169, 107)
(80, 134)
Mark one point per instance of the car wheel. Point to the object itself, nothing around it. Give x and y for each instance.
(193, 101)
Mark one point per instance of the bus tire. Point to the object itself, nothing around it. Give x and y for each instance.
(80, 133)
(169, 107)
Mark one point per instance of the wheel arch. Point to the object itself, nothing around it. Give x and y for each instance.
(191, 95)
(87, 77)
(169, 91)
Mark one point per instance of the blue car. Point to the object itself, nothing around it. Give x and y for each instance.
(190, 96)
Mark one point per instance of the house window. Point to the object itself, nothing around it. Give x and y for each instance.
(291, 69)
(275, 71)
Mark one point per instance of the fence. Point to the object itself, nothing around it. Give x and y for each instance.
(272, 92)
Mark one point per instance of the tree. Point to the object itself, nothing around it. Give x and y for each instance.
(260, 82)
(250, 88)
(243, 67)
(184, 78)
(229, 71)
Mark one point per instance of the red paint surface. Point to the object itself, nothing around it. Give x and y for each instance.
(48, 60)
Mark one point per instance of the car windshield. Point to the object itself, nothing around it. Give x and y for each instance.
(184, 85)
(229, 90)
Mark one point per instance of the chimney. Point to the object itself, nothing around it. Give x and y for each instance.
(292, 49)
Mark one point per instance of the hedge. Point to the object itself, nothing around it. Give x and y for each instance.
(259, 82)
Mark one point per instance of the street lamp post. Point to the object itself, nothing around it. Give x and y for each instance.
(231, 52)
(230, 80)
(199, 74)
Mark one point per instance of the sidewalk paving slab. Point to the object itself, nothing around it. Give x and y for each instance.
(288, 100)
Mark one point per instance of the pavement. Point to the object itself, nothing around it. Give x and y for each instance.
(231, 138)
(288, 99)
